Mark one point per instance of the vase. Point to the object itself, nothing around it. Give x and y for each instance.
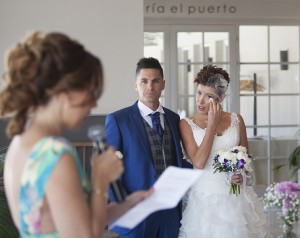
(287, 231)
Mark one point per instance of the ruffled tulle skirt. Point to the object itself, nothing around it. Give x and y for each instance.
(211, 212)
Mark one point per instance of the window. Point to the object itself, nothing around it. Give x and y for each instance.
(262, 55)
(269, 96)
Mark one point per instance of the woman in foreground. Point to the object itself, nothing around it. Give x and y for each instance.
(51, 84)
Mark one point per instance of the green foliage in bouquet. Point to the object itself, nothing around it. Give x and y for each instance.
(7, 227)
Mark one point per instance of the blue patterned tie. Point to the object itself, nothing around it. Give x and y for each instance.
(155, 117)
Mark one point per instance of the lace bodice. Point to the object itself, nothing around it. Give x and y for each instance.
(229, 138)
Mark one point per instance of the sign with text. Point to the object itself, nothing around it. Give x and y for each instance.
(222, 9)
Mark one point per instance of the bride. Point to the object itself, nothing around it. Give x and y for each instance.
(211, 211)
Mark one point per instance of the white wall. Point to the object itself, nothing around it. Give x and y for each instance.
(112, 30)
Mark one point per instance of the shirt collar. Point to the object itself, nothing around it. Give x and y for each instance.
(145, 111)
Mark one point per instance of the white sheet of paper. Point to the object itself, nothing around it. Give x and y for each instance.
(168, 191)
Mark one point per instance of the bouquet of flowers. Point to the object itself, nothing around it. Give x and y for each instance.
(234, 160)
(285, 196)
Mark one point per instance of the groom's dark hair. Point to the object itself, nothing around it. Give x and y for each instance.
(148, 63)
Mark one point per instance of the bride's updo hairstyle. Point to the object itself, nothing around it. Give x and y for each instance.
(214, 77)
(41, 66)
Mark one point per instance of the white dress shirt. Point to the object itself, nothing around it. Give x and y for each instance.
(145, 111)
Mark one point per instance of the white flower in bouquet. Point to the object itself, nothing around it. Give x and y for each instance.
(239, 149)
(240, 155)
(227, 155)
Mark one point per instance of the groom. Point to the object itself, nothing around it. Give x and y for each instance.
(148, 136)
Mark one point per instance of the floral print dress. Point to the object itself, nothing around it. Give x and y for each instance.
(38, 168)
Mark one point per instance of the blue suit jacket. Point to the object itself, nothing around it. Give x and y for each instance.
(125, 130)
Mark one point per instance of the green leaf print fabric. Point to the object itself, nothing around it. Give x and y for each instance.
(38, 168)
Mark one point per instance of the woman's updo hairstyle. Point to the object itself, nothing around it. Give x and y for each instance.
(215, 77)
(42, 66)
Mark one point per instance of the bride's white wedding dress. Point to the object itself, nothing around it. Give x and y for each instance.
(209, 210)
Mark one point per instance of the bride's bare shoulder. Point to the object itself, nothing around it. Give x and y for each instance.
(226, 116)
(185, 121)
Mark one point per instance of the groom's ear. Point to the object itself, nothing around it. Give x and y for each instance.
(135, 85)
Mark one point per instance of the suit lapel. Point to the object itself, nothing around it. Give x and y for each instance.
(137, 124)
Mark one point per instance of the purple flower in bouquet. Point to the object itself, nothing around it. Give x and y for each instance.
(241, 163)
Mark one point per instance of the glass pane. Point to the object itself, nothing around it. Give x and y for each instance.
(260, 133)
(283, 146)
(182, 103)
(187, 88)
(248, 74)
(284, 141)
(284, 110)
(282, 174)
(258, 147)
(280, 146)
(260, 172)
(154, 45)
(284, 40)
(186, 78)
(254, 110)
(284, 81)
(187, 105)
(289, 133)
(195, 69)
(253, 50)
(191, 109)
(216, 47)
(189, 45)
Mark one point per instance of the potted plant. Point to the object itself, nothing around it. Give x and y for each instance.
(7, 227)
(294, 161)
(293, 164)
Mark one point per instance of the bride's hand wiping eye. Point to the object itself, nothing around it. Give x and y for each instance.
(214, 112)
